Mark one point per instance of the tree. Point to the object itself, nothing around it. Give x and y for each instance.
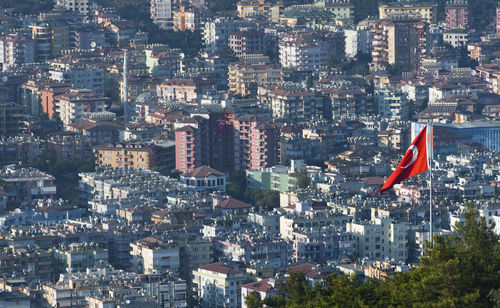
(237, 185)
(461, 270)
(253, 300)
(302, 178)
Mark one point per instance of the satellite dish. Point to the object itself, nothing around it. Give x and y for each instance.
(93, 44)
(5, 78)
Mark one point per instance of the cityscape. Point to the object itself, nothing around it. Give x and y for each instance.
(249, 153)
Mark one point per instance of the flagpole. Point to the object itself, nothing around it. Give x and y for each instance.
(430, 156)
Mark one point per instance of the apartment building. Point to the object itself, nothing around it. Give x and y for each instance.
(420, 10)
(226, 143)
(216, 31)
(457, 14)
(16, 259)
(186, 18)
(151, 256)
(161, 13)
(77, 257)
(80, 76)
(184, 90)
(328, 244)
(136, 155)
(255, 143)
(292, 103)
(272, 251)
(219, 286)
(82, 6)
(380, 238)
(245, 78)
(72, 106)
(401, 43)
(250, 8)
(247, 42)
(309, 220)
(26, 184)
(16, 49)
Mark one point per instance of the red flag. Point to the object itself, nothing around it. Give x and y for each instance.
(414, 161)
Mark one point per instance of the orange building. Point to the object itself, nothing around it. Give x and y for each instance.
(47, 97)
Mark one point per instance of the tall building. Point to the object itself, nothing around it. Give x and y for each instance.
(16, 49)
(401, 43)
(418, 10)
(225, 143)
(216, 31)
(161, 13)
(457, 14)
(186, 18)
(247, 42)
(498, 20)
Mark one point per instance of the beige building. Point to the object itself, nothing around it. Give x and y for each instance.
(73, 105)
(243, 77)
(424, 11)
(270, 9)
(150, 256)
(78, 257)
(219, 286)
(380, 238)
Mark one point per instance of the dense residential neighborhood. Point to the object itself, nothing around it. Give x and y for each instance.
(213, 153)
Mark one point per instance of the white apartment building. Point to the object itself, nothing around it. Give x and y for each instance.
(351, 42)
(219, 286)
(357, 41)
(216, 31)
(80, 76)
(15, 50)
(161, 13)
(310, 221)
(150, 256)
(295, 54)
(380, 238)
(456, 38)
(73, 105)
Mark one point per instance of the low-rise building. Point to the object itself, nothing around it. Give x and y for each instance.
(23, 185)
(77, 256)
(136, 155)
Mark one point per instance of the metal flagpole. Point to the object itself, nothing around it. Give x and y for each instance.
(430, 144)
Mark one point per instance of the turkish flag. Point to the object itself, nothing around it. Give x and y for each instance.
(414, 161)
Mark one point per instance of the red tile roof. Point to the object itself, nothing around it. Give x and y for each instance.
(202, 172)
(261, 286)
(233, 204)
(219, 268)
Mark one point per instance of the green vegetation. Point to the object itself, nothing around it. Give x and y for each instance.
(303, 180)
(237, 188)
(462, 270)
(65, 172)
(28, 7)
